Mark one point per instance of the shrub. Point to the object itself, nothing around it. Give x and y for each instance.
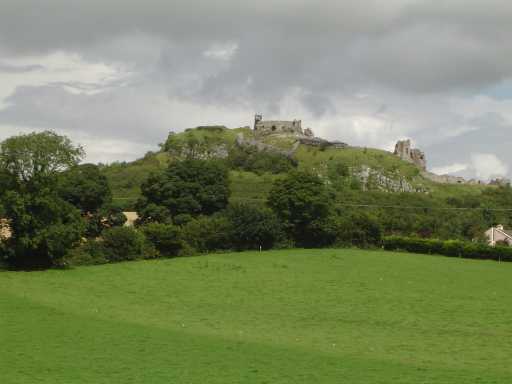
(91, 252)
(166, 238)
(208, 233)
(253, 226)
(252, 159)
(359, 229)
(453, 248)
(123, 243)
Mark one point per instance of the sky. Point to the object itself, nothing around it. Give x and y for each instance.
(117, 75)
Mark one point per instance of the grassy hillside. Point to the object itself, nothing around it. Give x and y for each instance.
(125, 178)
(298, 316)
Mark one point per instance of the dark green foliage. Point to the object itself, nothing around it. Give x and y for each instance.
(453, 248)
(208, 233)
(85, 187)
(301, 201)
(123, 243)
(250, 158)
(106, 217)
(44, 226)
(359, 229)
(253, 227)
(166, 238)
(92, 252)
(193, 187)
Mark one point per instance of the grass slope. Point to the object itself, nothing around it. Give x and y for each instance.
(299, 316)
(125, 178)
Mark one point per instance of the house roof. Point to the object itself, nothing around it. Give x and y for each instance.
(506, 232)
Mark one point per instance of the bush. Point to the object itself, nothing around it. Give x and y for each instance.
(124, 243)
(453, 248)
(252, 159)
(91, 252)
(165, 238)
(253, 227)
(208, 233)
(359, 229)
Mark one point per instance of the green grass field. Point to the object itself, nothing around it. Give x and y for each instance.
(299, 316)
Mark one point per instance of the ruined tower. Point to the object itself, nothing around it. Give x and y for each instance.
(412, 155)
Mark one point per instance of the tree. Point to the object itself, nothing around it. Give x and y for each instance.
(189, 187)
(85, 187)
(123, 243)
(38, 157)
(301, 201)
(166, 238)
(44, 226)
(253, 227)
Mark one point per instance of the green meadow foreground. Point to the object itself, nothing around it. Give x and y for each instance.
(300, 316)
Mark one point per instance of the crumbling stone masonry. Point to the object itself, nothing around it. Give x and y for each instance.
(412, 155)
(277, 126)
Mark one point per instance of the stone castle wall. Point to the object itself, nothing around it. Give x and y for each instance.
(277, 126)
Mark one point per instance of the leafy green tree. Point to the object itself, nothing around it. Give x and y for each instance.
(38, 157)
(166, 238)
(123, 243)
(192, 187)
(107, 217)
(253, 227)
(360, 229)
(208, 233)
(85, 187)
(301, 201)
(44, 226)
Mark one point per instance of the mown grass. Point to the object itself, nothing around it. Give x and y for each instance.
(298, 316)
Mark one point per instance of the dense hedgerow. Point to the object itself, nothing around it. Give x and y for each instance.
(453, 248)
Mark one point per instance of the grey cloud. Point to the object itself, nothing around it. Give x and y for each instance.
(409, 56)
(491, 134)
(9, 68)
(419, 46)
(106, 115)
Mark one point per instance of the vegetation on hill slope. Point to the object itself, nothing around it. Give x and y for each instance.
(434, 209)
(324, 316)
(126, 178)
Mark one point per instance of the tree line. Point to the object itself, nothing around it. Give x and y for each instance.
(60, 212)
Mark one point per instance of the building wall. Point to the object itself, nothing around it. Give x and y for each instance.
(498, 236)
(277, 126)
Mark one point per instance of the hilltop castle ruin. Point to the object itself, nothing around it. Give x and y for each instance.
(280, 126)
(404, 150)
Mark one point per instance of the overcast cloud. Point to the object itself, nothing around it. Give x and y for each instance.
(117, 75)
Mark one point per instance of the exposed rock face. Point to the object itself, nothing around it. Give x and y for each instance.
(374, 179)
(443, 179)
(241, 141)
(219, 151)
(319, 142)
(412, 155)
